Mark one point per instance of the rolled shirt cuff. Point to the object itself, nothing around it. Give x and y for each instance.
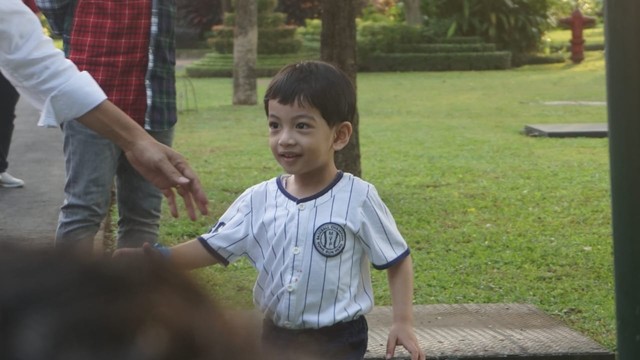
(67, 104)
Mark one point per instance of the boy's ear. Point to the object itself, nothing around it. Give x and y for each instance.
(341, 135)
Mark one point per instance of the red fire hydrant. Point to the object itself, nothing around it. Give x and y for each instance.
(577, 22)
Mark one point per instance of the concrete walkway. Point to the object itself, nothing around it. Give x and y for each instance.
(29, 215)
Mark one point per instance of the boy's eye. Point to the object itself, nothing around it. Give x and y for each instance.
(302, 126)
(273, 125)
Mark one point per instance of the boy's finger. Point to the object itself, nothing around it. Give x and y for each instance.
(391, 347)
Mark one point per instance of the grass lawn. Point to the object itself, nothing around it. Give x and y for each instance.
(491, 215)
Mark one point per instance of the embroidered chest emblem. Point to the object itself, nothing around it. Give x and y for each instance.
(329, 239)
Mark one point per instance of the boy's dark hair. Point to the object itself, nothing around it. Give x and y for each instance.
(57, 306)
(316, 84)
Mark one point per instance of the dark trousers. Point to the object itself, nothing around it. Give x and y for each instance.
(342, 341)
(8, 101)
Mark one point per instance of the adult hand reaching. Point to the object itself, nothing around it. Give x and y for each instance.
(159, 164)
(167, 169)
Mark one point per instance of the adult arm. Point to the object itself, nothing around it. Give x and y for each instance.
(162, 166)
(400, 277)
(52, 83)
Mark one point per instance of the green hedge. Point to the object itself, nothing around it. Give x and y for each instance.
(221, 65)
(462, 40)
(496, 60)
(444, 48)
(281, 40)
(264, 20)
(384, 37)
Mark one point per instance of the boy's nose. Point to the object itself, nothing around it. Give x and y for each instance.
(286, 138)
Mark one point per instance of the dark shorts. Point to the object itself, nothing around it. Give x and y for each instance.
(342, 341)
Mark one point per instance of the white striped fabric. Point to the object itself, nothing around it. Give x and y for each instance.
(312, 255)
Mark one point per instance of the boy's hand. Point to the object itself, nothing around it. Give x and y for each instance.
(401, 334)
(146, 250)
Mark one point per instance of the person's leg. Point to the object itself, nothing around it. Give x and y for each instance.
(8, 100)
(90, 162)
(139, 202)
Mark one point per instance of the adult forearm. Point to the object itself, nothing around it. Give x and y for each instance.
(112, 123)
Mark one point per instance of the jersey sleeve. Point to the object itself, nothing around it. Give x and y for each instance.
(226, 240)
(378, 231)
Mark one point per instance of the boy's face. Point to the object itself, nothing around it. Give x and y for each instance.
(301, 140)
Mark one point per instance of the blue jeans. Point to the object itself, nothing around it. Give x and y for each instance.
(91, 163)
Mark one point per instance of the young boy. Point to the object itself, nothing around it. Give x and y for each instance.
(313, 232)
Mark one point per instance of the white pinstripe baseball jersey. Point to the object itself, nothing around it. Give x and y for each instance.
(312, 255)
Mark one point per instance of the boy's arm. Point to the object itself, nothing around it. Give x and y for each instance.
(186, 256)
(400, 277)
(191, 255)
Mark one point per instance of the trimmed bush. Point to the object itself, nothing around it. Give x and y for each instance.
(496, 60)
(462, 40)
(444, 48)
(383, 37)
(221, 65)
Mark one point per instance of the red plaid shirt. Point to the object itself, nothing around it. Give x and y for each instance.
(110, 40)
(32, 5)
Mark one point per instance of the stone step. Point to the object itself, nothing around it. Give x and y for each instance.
(598, 130)
(469, 332)
(486, 331)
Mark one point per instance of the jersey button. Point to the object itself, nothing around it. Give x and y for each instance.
(287, 324)
(301, 206)
(296, 250)
(290, 288)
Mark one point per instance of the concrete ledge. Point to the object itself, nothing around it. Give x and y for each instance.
(567, 130)
(486, 331)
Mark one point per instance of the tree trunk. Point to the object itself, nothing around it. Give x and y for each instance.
(412, 13)
(245, 51)
(338, 46)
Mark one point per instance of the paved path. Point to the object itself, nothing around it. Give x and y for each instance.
(29, 215)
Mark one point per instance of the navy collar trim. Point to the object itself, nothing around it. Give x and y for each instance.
(333, 183)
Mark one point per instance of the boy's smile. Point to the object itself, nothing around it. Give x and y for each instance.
(302, 142)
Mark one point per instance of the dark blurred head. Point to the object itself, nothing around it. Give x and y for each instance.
(57, 305)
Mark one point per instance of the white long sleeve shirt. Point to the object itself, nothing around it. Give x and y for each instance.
(39, 71)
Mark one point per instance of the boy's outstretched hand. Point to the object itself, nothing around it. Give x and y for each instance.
(401, 334)
(146, 250)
